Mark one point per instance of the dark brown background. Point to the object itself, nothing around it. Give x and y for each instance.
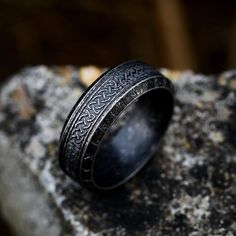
(178, 34)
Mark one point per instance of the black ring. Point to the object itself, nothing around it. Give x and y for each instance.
(115, 127)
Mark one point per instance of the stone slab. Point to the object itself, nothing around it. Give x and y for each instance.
(189, 188)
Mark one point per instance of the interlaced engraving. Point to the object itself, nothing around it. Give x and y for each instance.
(84, 120)
(74, 139)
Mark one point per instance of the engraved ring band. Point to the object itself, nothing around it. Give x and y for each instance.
(116, 125)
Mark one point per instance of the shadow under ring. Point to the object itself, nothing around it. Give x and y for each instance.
(116, 126)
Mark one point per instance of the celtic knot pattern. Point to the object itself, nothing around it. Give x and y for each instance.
(84, 117)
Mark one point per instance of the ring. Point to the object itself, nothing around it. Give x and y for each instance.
(116, 125)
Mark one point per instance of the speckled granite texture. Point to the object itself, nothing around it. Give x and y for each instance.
(189, 188)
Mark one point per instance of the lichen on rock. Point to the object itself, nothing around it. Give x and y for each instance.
(189, 188)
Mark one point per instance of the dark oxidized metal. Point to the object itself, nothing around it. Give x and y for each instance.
(115, 127)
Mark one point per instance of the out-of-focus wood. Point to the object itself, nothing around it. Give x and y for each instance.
(177, 34)
(232, 48)
(171, 28)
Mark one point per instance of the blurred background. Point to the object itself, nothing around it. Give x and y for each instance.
(178, 34)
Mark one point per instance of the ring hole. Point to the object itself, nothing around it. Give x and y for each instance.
(133, 139)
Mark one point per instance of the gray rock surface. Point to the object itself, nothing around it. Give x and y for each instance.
(189, 188)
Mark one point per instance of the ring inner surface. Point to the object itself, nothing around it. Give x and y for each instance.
(133, 138)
